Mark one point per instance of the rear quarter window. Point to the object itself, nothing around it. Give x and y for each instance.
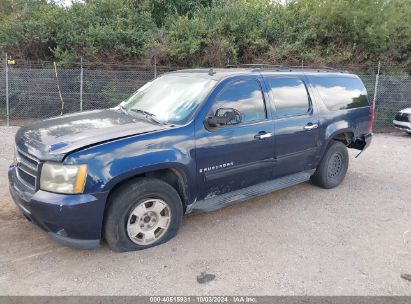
(340, 93)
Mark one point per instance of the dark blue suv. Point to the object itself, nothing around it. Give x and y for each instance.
(189, 141)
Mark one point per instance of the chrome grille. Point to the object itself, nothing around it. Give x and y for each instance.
(27, 169)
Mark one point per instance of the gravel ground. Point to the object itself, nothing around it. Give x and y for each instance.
(304, 240)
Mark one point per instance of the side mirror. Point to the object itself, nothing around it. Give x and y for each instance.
(224, 116)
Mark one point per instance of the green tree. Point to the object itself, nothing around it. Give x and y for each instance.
(210, 32)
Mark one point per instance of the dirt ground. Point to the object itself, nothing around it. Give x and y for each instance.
(352, 240)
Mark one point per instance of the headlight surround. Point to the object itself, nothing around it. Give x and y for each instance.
(59, 178)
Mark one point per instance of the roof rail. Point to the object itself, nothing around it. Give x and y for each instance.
(266, 66)
(311, 67)
(305, 68)
(250, 65)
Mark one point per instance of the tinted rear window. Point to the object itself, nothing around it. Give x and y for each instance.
(339, 93)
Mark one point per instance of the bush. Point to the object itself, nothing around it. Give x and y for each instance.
(209, 32)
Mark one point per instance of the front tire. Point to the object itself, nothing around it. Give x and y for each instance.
(333, 167)
(143, 213)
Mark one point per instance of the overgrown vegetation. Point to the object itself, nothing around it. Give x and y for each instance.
(209, 32)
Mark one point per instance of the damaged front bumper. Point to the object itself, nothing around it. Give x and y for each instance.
(71, 220)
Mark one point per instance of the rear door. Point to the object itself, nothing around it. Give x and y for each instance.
(235, 156)
(296, 125)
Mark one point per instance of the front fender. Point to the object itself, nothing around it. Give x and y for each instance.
(139, 169)
(113, 162)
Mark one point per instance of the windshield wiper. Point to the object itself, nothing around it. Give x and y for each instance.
(148, 115)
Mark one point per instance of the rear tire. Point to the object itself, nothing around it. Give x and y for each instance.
(143, 213)
(333, 167)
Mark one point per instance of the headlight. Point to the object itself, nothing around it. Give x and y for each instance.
(61, 178)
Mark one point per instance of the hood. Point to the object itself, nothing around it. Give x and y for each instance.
(52, 139)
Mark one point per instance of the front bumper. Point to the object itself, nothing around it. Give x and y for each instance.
(72, 220)
(402, 125)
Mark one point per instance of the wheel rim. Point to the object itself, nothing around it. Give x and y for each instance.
(335, 165)
(148, 221)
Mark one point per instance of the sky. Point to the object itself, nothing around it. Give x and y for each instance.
(67, 2)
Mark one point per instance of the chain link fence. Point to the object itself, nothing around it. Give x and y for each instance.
(33, 93)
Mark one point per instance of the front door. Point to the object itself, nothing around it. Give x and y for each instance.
(240, 153)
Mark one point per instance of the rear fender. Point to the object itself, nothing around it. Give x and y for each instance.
(333, 130)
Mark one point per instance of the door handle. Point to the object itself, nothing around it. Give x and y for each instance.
(311, 126)
(263, 135)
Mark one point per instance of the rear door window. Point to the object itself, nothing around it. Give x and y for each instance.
(340, 93)
(290, 96)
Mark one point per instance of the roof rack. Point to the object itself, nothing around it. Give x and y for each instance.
(264, 66)
(249, 65)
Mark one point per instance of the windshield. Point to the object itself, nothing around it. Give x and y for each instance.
(170, 98)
